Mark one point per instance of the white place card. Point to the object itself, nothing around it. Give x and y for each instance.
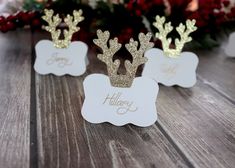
(60, 61)
(230, 48)
(119, 106)
(169, 71)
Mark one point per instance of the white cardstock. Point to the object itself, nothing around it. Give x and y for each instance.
(120, 106)
(168, 71)
(60, 61)
(230, 48)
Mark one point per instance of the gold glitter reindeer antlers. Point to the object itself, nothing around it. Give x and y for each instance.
(131, 67)
(54, 21)
(165, 29)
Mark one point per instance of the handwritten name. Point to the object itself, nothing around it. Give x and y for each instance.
(123, 106)
(169, 70)
(61, 61)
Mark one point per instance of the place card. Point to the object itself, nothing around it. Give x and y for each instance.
(230, 49)
(61, 56)
(171, 71)
(169, 66)
(117, 98)
(120, 106)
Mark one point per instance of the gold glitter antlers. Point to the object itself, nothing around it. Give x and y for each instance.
(183, 31)
(131, 67)
(54, 21)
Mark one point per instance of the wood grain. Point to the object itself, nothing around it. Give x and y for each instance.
(65, 139)
(217, 70)
(15, 73)
(196, 127)
(201, 122)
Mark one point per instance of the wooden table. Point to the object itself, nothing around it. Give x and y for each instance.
(41, 123)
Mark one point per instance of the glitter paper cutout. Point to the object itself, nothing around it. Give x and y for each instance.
(126, 80)
(165, 28)
(54, 21)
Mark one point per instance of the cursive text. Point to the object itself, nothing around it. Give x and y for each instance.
(123, 106)
(59, 60)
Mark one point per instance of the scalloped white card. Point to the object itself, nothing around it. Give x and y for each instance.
(120, 106)
(61, 61)
(168, 71)
(230, 48)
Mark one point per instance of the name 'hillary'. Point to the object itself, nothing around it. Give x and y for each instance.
(123, 106)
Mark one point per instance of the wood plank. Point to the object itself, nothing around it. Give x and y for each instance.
(65, 139)
(15, 77)
(202, 124)
(217, 70)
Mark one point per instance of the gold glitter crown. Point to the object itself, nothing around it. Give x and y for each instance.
(54, 21)
(165, 29)
(113, 66)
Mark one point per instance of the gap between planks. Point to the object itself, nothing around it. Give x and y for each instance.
(33, 113)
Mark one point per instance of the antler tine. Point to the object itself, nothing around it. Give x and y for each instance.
(72, 22)
(137, 55)
(145, 43)
(108, 52)
(184, 34)
(53, 22)
(78, 16)
(165, 30)
(102, 40)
